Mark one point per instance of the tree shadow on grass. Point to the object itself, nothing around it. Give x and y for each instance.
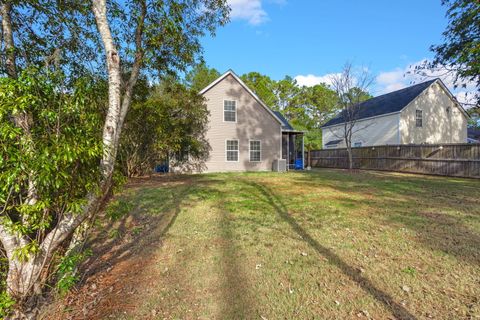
(237, 300)
(433, 226)
(152, 224)
(397, 310)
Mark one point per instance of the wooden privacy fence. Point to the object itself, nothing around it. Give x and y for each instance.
(459, 160)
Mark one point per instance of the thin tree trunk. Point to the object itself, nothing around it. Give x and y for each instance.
(350, 158)
(21, 120)
(10, 63)
(110, 129)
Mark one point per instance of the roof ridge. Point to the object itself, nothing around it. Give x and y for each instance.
(403, 89)
(387, 103)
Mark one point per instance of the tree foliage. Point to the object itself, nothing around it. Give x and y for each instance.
(200, 77)
(169, 124)
(64, 159)
(461, 47)
(57, 164)
(460, 51)
(263, 86)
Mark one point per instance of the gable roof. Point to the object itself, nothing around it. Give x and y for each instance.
(333, 142)
(285, 124)
(231, 73)
(388, 103)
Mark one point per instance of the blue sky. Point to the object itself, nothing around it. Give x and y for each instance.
(310, 39)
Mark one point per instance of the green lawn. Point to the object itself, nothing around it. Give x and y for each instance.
(325, 244)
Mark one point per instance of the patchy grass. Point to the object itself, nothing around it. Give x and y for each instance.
(324, 244)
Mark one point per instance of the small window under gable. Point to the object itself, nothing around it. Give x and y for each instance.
(418, 118)
(229, 111)
(357, 144)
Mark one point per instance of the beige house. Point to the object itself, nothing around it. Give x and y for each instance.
(426, 113)
(243, 133)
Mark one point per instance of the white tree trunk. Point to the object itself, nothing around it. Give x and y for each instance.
(24, 276)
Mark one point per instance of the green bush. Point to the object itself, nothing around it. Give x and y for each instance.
(67, 270)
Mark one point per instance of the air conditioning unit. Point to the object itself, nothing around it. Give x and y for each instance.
(279, 165)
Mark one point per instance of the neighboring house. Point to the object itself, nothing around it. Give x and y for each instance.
(473, 135)
(425, 113)
(243, 133)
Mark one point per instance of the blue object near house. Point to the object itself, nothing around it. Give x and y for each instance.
(161, 168)
(299, 164)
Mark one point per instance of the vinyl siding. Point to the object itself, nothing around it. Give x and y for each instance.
(253, 123)
(376, 131)
(439, 126)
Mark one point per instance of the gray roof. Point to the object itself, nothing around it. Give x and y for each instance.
(285, 125)
(333, 142)
(388, 103)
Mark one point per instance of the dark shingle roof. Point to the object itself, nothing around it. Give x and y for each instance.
(388, 103)
(285, 124)
(333, 142)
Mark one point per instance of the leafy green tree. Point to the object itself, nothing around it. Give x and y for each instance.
(460, 52)
(263, 86)
(286, 92)
(306, 108)
(50, 34)
(474, 121)
(319, 104)
(170, 123)
(137, 36)
(68, 148)
(200, 77)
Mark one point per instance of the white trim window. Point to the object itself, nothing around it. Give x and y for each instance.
(357, 144)
(418, 118)
(255, 150)
(231, 150)
(229, 111)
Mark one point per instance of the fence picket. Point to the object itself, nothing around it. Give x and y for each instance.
(458, 160)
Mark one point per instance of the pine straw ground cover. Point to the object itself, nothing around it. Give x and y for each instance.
(325, 244)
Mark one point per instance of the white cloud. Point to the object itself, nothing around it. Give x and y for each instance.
(310, 80)
(250, 10)
(401, 78)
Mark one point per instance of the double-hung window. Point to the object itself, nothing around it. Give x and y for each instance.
(232, 150)
(255, 150)
(229, 111)
(419, 118)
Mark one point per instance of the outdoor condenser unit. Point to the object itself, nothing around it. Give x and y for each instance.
(279, 165)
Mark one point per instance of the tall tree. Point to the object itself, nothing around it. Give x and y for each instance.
(351, 87)
(286, 92)
(172, 121)
(460, 51)
(156, 37)
(201, 76)
(263, 86)
(318, 104)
